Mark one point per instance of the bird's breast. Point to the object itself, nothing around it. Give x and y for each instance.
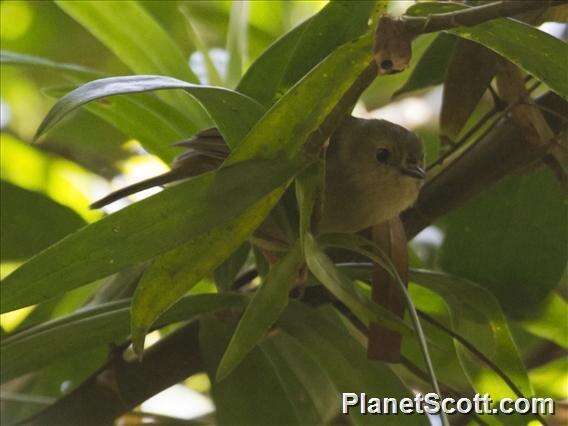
(353, 205)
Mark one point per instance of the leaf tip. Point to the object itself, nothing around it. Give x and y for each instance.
(222, 372)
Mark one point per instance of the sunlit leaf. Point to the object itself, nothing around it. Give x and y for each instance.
(285, 128)
(237, 41)
(262, 312)
(477, 316)
(212, 72)
(62, 180)
(548, 320)
(140, 42)
(551, 380)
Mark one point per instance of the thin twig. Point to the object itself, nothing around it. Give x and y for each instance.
(471, 16)
(487, 116)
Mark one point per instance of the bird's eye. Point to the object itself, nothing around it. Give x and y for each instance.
(382, 155)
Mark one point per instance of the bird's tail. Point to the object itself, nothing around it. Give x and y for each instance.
(163, 179)
(204, 152)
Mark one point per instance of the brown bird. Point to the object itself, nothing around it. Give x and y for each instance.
(373, 172)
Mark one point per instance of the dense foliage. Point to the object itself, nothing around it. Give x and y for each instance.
(103, 310)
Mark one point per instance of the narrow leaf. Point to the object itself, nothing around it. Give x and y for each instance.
(256, 379)
(344, 359)
(53, 341)
(30, 222)
(287, 124)
(212, 73)
(549, 320)
(143, 230)
(144, 117)
(309, 187)
(341, 287)
(220, 103)
(476, 315)
(76, 71)
(468, 75)
(292, 56)
(431, 67)
(237, 41)
(135, 37)
(180, 269)
(226, 273)
(262, 312)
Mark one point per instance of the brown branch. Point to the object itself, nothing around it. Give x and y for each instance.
(473, 16)
(501, 152)
(119, 386)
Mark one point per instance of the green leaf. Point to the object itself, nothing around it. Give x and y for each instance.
(72, 70)
(220, 103)
(468, 76)
(431, 67)
(89, 328)
(237, 398)
(511, 240)
(303, 378)
(292, 56)
(309, 186)
(535, 51)
(476, 315)
(280, 135)
(144, 117)
(212, 73)
(31, 221)
(344, 359)
(288, 123)
(262, 312)
(358, 244)
(549, 320)
(341, 287)
(550, 380)
(133, 35)
(237, 42)
(226, 273)
(180, 269)
(153, 122)
(160, 223)
(143, 230)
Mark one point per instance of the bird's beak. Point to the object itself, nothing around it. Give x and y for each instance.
(414, 171)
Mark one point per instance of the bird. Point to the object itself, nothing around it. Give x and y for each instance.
(373, 171)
